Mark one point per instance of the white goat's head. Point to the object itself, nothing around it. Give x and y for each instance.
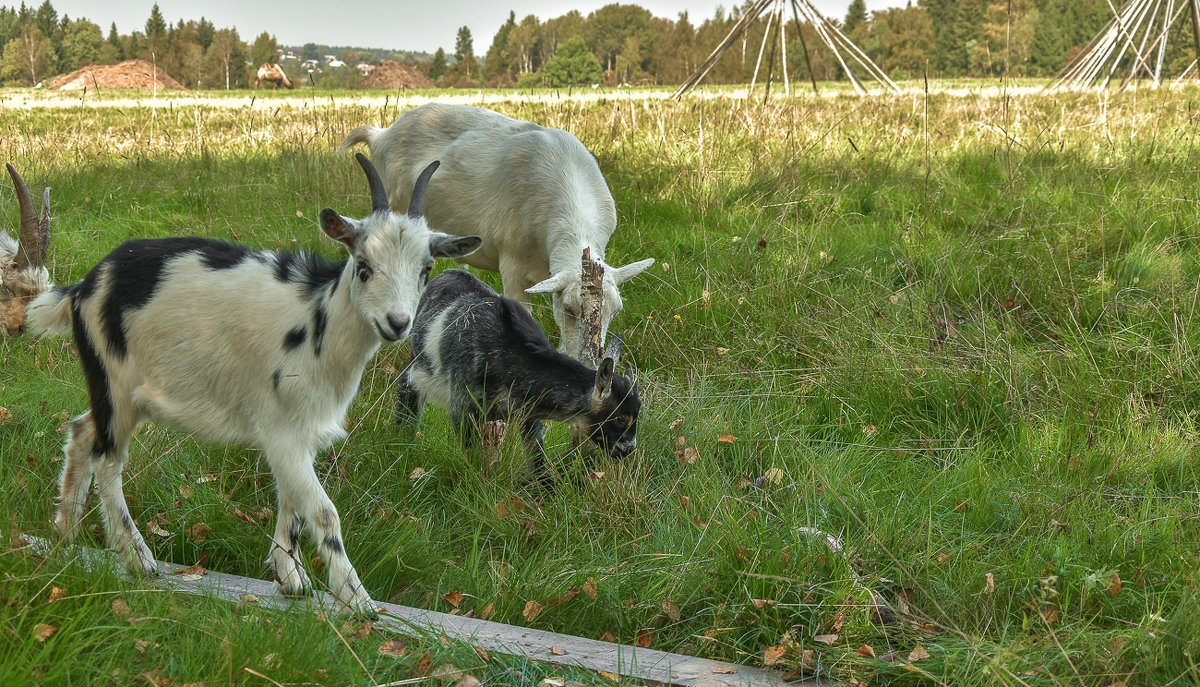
(570, 296)
(392, 254)
(23, 273)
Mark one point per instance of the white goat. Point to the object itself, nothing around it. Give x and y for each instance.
(23, 273)
(534, 194)
(240, 346)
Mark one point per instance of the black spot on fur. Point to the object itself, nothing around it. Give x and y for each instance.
(294, 338)
(134, 271)
(320, 319)
(333, 544)
(97, 382)
(312, 273)
(293, 534)
(275, 378)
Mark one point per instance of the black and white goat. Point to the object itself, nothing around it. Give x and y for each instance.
(240, 346)
(23, 274)
(535, 194)
(482, 357)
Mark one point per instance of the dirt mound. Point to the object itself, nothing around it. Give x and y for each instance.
(134, 74)
(391, 75)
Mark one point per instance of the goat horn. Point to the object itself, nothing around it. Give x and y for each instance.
(29, 234)
(416, 206)
(379, 199)
(44, 225)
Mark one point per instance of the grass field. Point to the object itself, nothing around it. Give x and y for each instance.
(958, 332)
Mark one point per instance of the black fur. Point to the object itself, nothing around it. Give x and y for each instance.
(97, 382)
(499, 365)
(320, 319)
(333, 544)
(293, 534)
(313, 273)
(276, 378)
(295, 338)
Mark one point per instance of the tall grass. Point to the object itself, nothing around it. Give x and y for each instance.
(958, 332)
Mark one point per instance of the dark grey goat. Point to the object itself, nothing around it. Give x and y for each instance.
(482, 357)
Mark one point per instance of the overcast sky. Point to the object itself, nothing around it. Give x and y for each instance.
(390, 24)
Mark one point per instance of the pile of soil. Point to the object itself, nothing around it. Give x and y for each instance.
(134, 74)
(391, 75)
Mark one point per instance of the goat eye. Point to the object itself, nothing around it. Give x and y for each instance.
(364, 272)
(425, 275)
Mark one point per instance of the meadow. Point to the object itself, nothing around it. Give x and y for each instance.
(958, 331)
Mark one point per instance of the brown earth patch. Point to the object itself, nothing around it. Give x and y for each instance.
(131, 74)
(391, 75)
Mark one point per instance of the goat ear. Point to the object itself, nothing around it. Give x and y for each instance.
(613, 349)
(449, 246)
(338, 228)
(551, 285)
(628, 372)
(633, 269)
(604, 375)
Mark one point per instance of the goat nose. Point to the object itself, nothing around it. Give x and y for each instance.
(399, 324)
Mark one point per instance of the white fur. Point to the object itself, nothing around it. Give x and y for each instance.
(535, 195)
(202, 355)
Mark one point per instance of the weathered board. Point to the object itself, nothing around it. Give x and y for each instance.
(633, 662)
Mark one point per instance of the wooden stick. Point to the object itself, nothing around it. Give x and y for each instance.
(804, 46)
(568, 650)
(1196, 27)
(591, 299)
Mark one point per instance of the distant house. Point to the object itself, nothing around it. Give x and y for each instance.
(365, 68)
(289, 55)
(336, 63)
(330, 58)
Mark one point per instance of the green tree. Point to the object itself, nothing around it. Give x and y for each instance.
(310, 51)
(559, 30)
(573, 64)
(81, 45)
(524, 45)
(110, 51)
(155, 45)
(437, 66)
(28, 58)
(205, 32)
(465, 67)
(264, 49)
(496, 62)
(610, 26)
(856, 16)
(224, 57)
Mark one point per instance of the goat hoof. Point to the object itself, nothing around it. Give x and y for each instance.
(141, 561)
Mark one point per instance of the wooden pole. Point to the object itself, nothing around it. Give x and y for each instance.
(1196, 27)
(591, 299)
(804, 46)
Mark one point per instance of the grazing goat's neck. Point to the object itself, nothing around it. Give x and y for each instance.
(558, 386)
(565, 246)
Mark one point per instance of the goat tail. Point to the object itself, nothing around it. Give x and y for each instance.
(363, 134)
(50, 313)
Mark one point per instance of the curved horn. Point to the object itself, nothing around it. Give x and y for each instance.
(379, 199)
(29, 234)
(416, 206)
(44, 226)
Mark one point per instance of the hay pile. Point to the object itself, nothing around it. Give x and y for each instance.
(133, 74)
(391, 75)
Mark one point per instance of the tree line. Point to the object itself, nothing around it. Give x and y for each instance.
(618, 43)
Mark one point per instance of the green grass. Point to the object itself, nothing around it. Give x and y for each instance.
(960, 334)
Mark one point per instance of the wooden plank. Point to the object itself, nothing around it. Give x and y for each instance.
(579, 652)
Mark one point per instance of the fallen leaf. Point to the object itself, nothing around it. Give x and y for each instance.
(643, 639)
(501, 510)
(237, 513)
(690, 455)
(447, 672)
(676, 425)
(248, 598)
(453, 598)
(681, 441)
(1049, 613)
(774, 475)
(154, 528)
(191, 577)
(557, 651)
(890, 656)
(553, 682)
(362, 630)
(482, 654)
(517, 504)
(57, 593)
(1008, 304)
(726, 439)
(918, 653)
(962, 507)
(942, 558)
(265, 514)
(206, 478)
(989, 583)
(869, 430)
(727, 670)
(1113, 588)
(487, 611)
(196, 569)
(42, 631)
(186, 491)
(198, 532)
(532, 610)
(424, 665)
(611, 677)
(827, 640)
(589, 588)
(671, 610)
(417, 473)
(6, 415)
(772, 654)
(394, 648)
(121, 609)
(468, 680)
(595, 475)
(608, 637)
(904, 600)
(722, 351)
(865, 651)
(763, 603)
